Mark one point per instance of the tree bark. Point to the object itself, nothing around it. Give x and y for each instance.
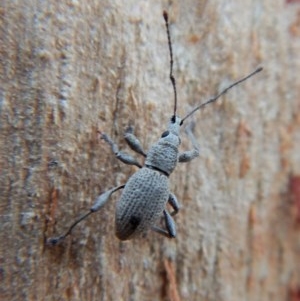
(72, 68)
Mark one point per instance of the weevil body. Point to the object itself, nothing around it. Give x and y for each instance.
(146, 193)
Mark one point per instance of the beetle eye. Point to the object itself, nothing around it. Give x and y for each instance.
(165, 134)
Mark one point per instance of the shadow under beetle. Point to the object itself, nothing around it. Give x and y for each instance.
(146, 193)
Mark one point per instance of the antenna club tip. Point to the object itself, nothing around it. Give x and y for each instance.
(165, 14)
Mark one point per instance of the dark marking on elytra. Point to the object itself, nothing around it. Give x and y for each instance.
(135, 221)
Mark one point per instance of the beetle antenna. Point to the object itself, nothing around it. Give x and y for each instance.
(213, 99)
(172, 78)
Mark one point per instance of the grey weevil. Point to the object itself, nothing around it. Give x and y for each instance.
(147, 193)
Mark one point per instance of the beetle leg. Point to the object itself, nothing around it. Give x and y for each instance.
(187, 156)
(122, 156)
(170, 231)
(173, 203)
(100, 201)
(133, 142)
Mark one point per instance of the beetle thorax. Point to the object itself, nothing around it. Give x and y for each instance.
(163, 154)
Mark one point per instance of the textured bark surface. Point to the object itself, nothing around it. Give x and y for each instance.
(70, 68)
